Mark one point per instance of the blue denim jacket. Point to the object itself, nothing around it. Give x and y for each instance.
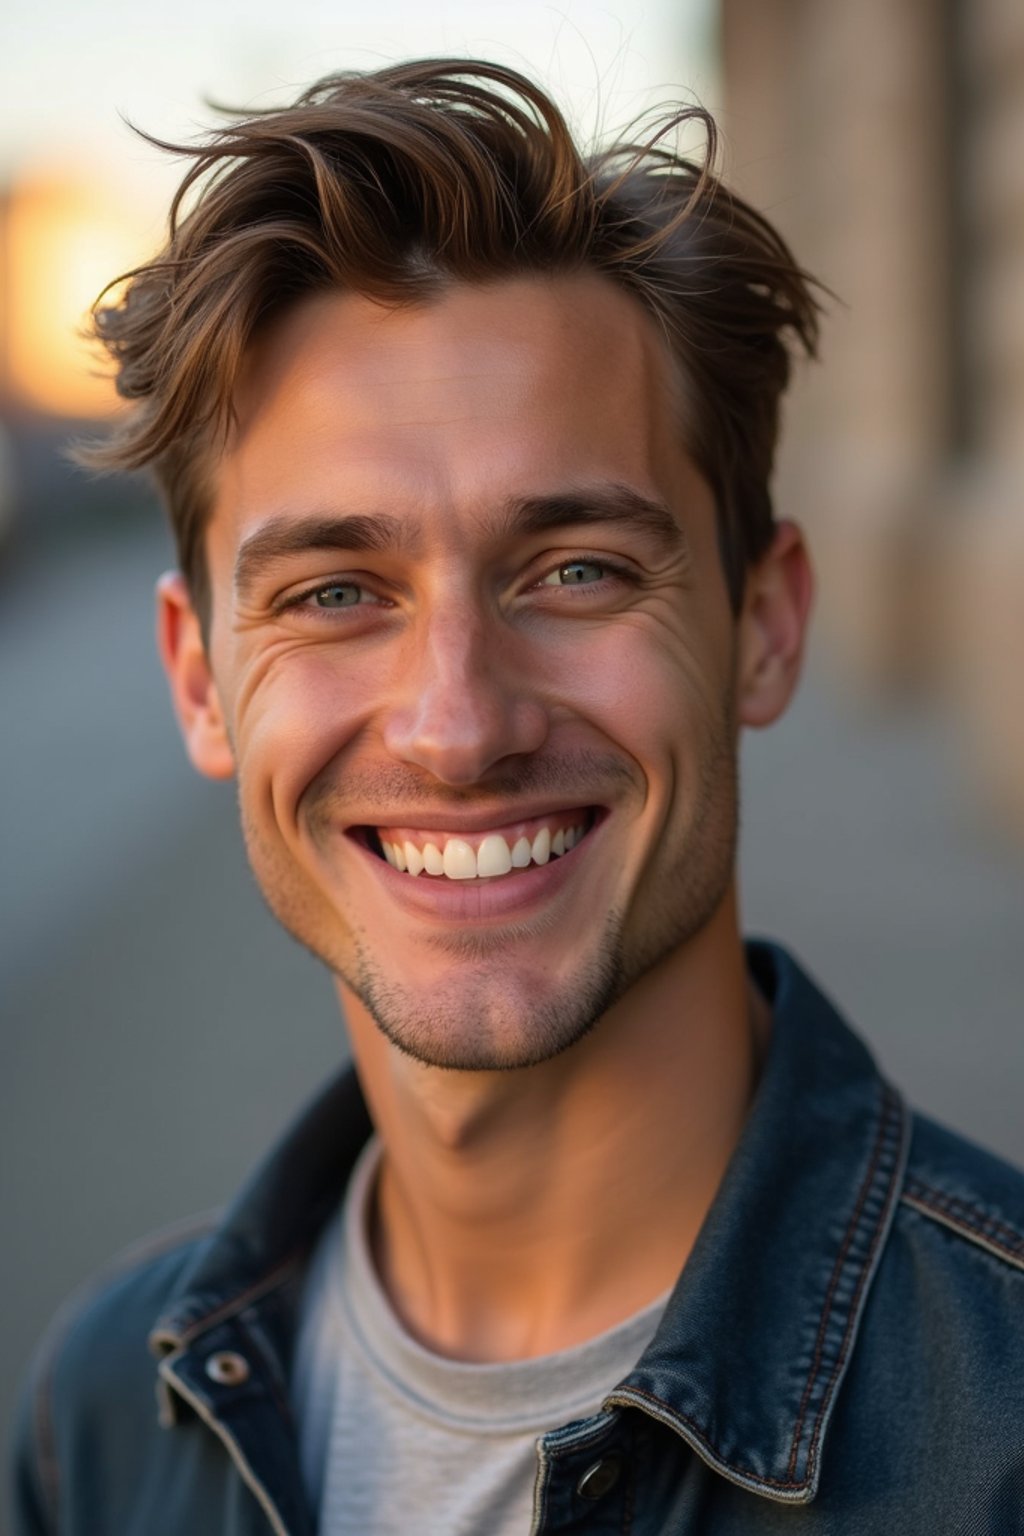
(843, 1352)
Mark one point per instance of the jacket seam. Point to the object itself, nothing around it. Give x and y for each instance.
(237, 1455)
(235, 1304)
(627, 1398)
(889, 1106)
(568, 1442)
(965, 1220)
(954, 1202)
(888, 1116)
(540, 1489)
(867, 1268)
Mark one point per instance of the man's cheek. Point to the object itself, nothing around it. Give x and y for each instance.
(597, 672)
(296, 729)
(638, 697)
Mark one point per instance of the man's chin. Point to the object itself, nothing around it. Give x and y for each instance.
(485, 1016)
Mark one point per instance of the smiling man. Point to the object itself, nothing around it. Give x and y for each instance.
(466, 443)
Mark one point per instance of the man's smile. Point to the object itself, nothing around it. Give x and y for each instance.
(491, 873)
(490, 853)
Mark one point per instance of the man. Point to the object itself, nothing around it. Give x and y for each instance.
(466, 442)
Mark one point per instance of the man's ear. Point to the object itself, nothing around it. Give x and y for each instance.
(772, 627)
(193, 692)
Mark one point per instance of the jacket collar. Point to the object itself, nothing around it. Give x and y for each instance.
(759, 1330)
(267, 1233)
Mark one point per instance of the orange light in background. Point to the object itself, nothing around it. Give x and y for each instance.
(65, 239)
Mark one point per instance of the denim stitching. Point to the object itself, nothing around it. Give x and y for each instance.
(540, 1490)
(958, 1214)
(630, 1393)
(937, 1197)
(222, 1309)
(891, 1111)
(889, 1114)
(890, 1104)
(231, 1444)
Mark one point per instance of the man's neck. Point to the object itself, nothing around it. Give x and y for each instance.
(519, 1213)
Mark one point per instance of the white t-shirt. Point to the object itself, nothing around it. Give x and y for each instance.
(395, 1439)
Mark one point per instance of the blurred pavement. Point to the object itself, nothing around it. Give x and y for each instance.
(158, 1029)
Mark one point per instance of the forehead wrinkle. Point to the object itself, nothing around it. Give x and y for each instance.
(282, 535)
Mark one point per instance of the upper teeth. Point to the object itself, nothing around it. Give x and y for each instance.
(457, 859)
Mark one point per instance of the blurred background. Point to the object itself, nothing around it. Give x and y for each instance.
(157, 1029)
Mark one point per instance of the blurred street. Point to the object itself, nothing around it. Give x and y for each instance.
(158, 1029)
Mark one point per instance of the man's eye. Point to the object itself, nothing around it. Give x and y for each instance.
(331, 597)
(575, 573)
(338, 594)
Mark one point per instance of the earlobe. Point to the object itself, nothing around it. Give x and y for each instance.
(193, 690)
(773, 627)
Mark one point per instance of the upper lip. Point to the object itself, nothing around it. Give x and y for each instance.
(488, 819)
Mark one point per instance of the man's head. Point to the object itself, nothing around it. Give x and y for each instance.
(456, 431)
(398, 184)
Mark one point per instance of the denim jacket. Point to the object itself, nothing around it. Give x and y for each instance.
(843, 1352)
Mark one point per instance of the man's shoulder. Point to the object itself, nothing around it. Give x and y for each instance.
(96, 1352)
(934, 1378)
(117, 1307)
(970, 1197)
(137, 1351)
(947, 1305)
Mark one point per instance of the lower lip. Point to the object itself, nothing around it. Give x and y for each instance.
(477, 901)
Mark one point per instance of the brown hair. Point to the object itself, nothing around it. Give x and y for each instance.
(396, 182)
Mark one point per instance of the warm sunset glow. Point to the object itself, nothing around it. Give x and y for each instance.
(65, 240)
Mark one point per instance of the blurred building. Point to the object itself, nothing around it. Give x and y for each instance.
(63, 235)
(887, 142)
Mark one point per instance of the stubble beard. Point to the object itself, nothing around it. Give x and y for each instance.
(486, 1021)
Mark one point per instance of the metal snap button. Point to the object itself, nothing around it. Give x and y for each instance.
(600, 1478)
(227, 1369)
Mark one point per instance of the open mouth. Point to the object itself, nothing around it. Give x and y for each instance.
(486, 855)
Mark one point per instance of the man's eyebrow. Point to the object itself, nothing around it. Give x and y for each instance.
(597, 504)
(282, 536)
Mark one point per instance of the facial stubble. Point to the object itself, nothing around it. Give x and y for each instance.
(483, 1019)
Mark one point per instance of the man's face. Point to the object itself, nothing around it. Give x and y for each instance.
(468, 605)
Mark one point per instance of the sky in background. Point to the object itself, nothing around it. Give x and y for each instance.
(70, 69)
(87, 198)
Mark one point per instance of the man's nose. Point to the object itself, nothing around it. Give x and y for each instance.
(463, 702)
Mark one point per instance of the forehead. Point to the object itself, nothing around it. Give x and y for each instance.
(486, 392)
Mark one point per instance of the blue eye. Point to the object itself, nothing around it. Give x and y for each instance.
(575, 573)
(338, 594)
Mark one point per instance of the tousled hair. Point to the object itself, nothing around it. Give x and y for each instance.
(394, 184)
